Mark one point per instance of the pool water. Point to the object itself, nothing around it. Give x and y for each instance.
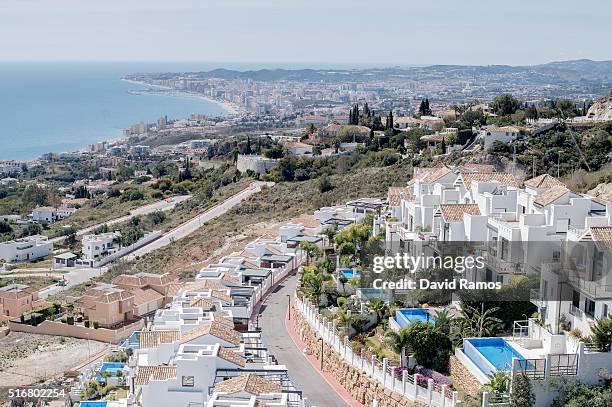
(404, 317)
(110, 367)
(348, 273)
(496, 351)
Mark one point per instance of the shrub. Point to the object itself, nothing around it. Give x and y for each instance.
(439, 378)
(602, 334)
(86, 324)
(96, 325)
(70, 320)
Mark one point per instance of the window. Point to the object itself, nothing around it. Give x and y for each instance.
(604, 313)
(563, 225)
(188, 381)
(589, 307)
(505, 247)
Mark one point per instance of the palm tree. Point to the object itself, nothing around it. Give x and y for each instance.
(498, 382)
(478, 322)
(399, 342)
(443, 320)
(314, 288)
(311, 250)
(602, 334)
(344, 320)
(379, 307)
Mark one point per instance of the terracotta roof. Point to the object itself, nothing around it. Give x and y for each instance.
(174, 289)
(108, 293)
(436, 174)
(396, 194)
(152, 339)
(249, 383)
(308, 221)
(215, 329)
(146, 373)
(543, 181)
(482, 168)
(204, 284)
(454, 212)
(202, 302)
(145, 296)
(501, 177)
(222, 319)
(603, 236)
(551, 195)
(221, 295)
(231, 356)
(231, 279)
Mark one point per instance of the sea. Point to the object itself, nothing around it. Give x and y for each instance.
(59, 107)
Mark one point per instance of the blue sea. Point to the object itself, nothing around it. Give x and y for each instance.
(57, 107)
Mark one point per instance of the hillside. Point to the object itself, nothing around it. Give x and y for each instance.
(601, 109)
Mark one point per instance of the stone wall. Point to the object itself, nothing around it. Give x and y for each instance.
(462, 378)
(76, 331)
(360, 386)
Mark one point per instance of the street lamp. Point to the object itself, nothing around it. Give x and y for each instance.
(289, 299)
(321, 339)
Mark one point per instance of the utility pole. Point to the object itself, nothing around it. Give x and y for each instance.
(534, 167)
(558, 162)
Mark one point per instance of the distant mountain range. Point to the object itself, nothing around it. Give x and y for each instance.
(562, 71)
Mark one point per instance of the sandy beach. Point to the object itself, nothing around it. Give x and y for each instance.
(231, 108)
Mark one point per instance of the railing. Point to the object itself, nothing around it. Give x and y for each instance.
(412, 387)
(577, 312)
(534, 369)
(564, 365)
(498, 400)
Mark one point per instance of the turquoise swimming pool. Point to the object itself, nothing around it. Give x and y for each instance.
(405, 316)
(491, 354)
(349, 273)
(111, 367)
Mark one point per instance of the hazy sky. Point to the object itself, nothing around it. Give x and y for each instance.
(375, 32)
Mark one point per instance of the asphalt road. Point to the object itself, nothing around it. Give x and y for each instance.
(163, 205)
(197, 222)
(305, 377)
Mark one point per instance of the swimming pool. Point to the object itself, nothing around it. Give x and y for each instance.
(110, 367)
(93, 403)
(490, 354)
(349, 273)
(405, 316)
(371, 293)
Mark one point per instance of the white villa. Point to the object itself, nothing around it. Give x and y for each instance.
(540, 228)
(26, 249)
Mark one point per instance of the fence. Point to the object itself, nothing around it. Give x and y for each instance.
(412, 387)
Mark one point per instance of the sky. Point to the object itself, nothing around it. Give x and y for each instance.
(307, 32)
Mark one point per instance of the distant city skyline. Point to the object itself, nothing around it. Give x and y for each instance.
(315, 32)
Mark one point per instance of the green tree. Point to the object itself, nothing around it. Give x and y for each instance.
(311, 250)
(602, 334)
(399, 342)
(505, 104)
(325, 184)
(424, 109)
(478, 322)
(378, 307)
(521, 394)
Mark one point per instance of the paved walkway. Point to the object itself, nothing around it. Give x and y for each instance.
(320, 390)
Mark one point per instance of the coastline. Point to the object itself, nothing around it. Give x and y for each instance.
(229, 107)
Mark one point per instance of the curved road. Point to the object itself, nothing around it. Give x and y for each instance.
(275, 336)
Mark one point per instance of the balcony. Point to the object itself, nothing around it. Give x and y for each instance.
(536, 297)
(504, 266)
